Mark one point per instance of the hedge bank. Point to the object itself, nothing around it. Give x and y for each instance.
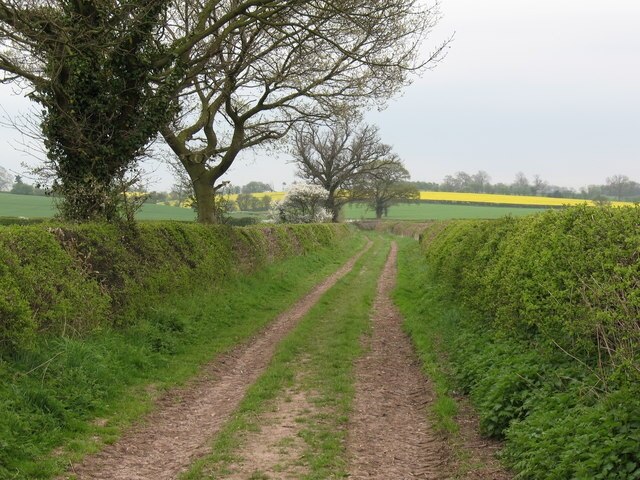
(112, 319)
(540, 319)
(568, 278)
(74, 279)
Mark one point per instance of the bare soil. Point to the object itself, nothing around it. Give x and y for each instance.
(277, 450)
(184, 420)
(390, 436)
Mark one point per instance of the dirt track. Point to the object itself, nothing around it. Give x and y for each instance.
(179, 430)
(389, 438)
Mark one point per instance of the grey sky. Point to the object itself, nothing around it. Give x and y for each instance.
(549, 87)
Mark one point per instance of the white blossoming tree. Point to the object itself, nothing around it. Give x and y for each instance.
(303, 203)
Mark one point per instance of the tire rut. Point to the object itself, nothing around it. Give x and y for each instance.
(390, 436)
(181, 427)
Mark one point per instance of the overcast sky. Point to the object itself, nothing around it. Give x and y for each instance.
(548, 87)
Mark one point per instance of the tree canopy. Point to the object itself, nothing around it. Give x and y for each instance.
(308, 63)
(383, 186)
(336, 155)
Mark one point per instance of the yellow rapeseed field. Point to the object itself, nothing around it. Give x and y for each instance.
(482, 198)
(275, 196)
(507, 199)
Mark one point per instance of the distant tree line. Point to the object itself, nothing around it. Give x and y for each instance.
(616, 187)
(17, 186)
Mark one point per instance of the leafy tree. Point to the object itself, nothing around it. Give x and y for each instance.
(305, 61)
(460, 182)
(426, 186)
(303, 203)
(334, 157)
(21, 188)
(93, 68)
(265, 202)
(383, 186)
(247, 202)
(256, 187)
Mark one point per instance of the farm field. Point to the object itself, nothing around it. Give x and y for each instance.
(42, 207)
(435, 211)
(30, 206)
(525, 200)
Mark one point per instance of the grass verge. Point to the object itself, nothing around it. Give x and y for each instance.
(65, 397)
(426, 324)
(319, 354)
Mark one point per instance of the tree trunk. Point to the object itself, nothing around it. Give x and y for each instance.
(205, 199)
(332, 207)
(204, 193)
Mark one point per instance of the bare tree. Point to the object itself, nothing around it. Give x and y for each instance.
(334, 156)
(481, 181)
(539, 185)
(618, 185)
(307, 62)
(460, 182)
(383, 186)
(520, 185)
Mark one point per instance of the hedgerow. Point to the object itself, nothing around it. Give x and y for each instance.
(541, 326)
(568, 278)
(73, 279)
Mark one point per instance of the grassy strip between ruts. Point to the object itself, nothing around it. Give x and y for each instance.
(431, 326)
(70, 395)
(319, 354)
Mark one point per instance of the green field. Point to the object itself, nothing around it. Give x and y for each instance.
(42, 207)
(31, 206)
(436, 211)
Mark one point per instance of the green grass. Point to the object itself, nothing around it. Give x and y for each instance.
(425, 322)
(434, 211)
(317, 357)
(31, 206)
(51, 395)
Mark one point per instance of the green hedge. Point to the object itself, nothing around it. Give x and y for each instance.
(73, 279)
(568, 278)
(541, 325)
